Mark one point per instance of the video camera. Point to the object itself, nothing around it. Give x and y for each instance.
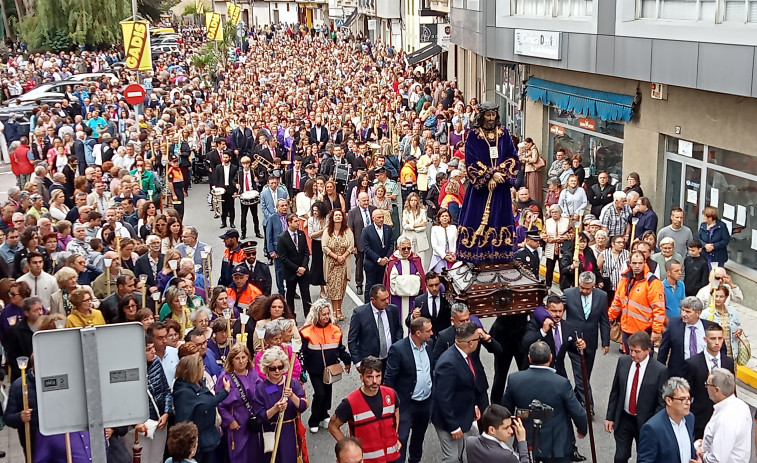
(536, 411)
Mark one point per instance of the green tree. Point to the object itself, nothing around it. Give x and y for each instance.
(152, 9)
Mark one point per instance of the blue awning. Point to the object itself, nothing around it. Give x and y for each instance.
(604, 105)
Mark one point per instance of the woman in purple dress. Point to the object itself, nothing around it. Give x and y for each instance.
(243, 439)
(272, 397)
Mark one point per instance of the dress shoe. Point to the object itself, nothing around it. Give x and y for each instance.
(577, 456)
(296, 296)
(244, 236)
(223, 225)
(359, 290)
(258, 235)
(233, 226)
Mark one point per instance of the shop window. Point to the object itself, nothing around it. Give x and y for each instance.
(554, 8)
(684, 148)
(732, 160)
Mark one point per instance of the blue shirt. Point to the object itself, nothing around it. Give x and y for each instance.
(673, 298)
(682, 439)
(422, 389)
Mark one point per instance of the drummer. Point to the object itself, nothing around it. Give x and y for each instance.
(249, 196)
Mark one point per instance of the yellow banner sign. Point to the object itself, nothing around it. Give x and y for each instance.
(137, 45)
(233, 12)
(213, 26)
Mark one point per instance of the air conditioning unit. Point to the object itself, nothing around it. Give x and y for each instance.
(659, 91)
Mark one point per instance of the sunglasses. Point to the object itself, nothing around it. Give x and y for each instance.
(278, 368)
(405, 248)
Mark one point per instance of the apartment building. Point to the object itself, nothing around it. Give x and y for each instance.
(665, 88)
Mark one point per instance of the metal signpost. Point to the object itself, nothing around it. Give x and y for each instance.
(77, 392)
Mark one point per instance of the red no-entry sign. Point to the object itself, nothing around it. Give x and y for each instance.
(134, 94)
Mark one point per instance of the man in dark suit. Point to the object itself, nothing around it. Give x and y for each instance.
(378, 245)
(374, 327)
(432, 305)
(548, 326)
(274, 227)
(632, 405)
(658, 441)
(293, 177)
(529, 255)
(225, 176)
(699, 368)
(685, 337)
(539, 382)
(359, 218)
(240, 137)
(319, 135)
(143, 265)
(294, 255)
(454, 393)
(586, 308)
(498, 426)
(412, 381)
(260, 274)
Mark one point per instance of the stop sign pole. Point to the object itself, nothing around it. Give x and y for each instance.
(134, 94)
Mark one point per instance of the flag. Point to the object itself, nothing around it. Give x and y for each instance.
(213, 26)
(233, 12)
(137, 45)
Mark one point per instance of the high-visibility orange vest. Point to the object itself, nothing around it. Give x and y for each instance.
(640, 303)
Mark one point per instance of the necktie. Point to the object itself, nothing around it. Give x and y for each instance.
(296, 179)
(693, 341)
(283, 222)
(714, 361)
(294, 238)
(558, 339)
(587, 307)
(433, 306)
(246, 181)
(470, 365)
(382, 336)
(634, 386)
(366, 219)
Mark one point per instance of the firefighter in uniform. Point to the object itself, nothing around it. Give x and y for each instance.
(373, 415)
(232, 256)
(528, 255)
(639, 301)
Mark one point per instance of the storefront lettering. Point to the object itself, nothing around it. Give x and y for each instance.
(586, 123)
(557, 130)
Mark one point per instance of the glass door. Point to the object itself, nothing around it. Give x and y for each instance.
(682, 188)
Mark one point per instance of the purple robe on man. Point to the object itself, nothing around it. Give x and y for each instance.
(266, 395)
(52, 449)
(243, 444)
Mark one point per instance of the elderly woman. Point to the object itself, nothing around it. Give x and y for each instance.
(443, 242)
(82, 313)
(404, 277)
(714, 235)
(67, 280)
(273, 309)
(667, 252)
(194, 402)
(725, 315)
(276, 334)
(601, 242)
(176, 311)
(322, 347)
(557, 229)
(240, 425)
(200, 319)
(383, 202)
(127, 309)
(220, 343)
(719, 277)
(273, 397)
(338, 244)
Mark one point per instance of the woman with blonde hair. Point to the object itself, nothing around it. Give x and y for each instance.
(178, 312)
(383, 202)
(238, 421)
(58, 208)
(338, 243)
(166, 273)
(414, 223)
(725, 315)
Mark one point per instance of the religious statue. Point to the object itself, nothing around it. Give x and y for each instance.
(486, 230)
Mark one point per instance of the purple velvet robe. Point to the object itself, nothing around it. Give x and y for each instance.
(52, 449)
(491, 238)
(243, 445)
(266, 395)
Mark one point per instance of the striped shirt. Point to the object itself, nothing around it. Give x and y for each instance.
(615, 221)
(614, 266)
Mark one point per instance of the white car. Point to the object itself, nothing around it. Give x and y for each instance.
(95, 76)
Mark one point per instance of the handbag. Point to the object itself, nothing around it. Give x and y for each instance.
(745, 350)
(331, 373)
(268, 439)
(539, 164)
(616, 335)
(253, 425)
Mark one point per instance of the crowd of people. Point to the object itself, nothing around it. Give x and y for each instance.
(356, 162)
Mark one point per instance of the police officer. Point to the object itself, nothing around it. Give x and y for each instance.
(529, 254)
(260, 274)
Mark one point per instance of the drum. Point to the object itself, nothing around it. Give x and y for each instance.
(217, 193)
(249, 198)
(342, 173)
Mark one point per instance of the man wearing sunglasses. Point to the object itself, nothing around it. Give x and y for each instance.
(260, 274)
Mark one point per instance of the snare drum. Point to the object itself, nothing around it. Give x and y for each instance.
(249, 198)
(342, 173)
(218, 191)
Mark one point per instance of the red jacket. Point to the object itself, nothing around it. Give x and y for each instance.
(379, 434)
(20, 163)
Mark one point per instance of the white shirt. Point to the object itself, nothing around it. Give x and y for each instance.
(683, 439)
(226, 174)
(699, 336)
(42, 286)
(708, 360)
(631, 372)
(728, 434)
(385, 320)
(501, 444)
(247, 181)
(431, 305)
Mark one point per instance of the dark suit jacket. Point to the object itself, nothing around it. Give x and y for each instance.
(293, 189)
(293, 257)
(272, 231)
(567, 332)
(324, 133)
(19, 343)
(672, 346)
(649, 397)
(597, 321)
(540, 383)
(373, 249)
(479, 449)
(442, 320)
(142, 267)
(529, 259)
(697, 372)
(355, 222)
(400, 372)
(454, 393)
(657, 442)
(260, 276)
(218, 180)
(362, 339)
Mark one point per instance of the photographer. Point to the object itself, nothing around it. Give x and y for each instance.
(541, 383)
(499, 426)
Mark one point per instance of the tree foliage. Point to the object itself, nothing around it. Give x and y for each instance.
(152, 9)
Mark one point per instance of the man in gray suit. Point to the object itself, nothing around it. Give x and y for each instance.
(498, 427)
(358, 218)
(192, 248)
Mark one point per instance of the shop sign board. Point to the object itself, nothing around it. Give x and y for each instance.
(428, 33)
(557, 130)
(586, 123)
(445, 35)
(371, 24)
(539, 44)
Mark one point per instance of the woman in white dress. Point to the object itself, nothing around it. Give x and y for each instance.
(443, 242)
(414, 223)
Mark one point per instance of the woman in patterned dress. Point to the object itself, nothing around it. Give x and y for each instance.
(338, 243)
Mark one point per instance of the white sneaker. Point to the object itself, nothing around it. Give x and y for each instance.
(314, 429)
(324, 424)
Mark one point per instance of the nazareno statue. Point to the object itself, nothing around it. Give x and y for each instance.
(486, 230)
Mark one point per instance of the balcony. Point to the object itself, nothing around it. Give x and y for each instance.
(434, 7)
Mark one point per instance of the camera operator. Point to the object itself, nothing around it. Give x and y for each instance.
(498, 427)
(540, 382)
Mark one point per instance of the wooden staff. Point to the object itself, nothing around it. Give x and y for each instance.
(280, 424)
(143, 280)
(206, 276)
(136, 448)
(576, 248)
(23, 362)
(634, 221)
(587, 402)
(69, 456)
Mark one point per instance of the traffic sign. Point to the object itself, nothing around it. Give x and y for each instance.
(134, 94)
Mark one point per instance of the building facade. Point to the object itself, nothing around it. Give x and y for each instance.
(665, 88)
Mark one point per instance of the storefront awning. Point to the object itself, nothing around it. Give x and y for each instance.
(422, 54)
(604, 105)
(351, 19)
